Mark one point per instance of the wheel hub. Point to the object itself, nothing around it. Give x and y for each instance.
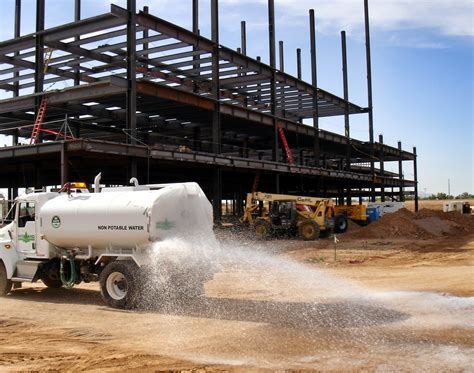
(117, 286)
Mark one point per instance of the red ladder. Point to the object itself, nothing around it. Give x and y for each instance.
(39, 120)
(289, 154)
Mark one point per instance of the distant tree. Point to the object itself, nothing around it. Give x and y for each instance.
(465, 195)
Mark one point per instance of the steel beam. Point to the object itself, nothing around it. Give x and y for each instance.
(132, 79)
(346, 110)
(282, 56)
(216, 113)
(272, 59)
(243, 37)
(400, 171)
(369, 92)
(382, 168)
(77, 17)
(206, 45)
(415, 174)
(314, 80)
(298, 63)
(17, 32)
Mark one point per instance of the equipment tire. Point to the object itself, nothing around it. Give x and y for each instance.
(262, 229)
(119, 284)
(340, 223)
(5, 283)
(308, 230)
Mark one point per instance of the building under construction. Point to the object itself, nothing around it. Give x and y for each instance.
(149, 99)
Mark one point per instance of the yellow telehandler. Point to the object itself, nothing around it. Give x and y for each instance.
(306, 217)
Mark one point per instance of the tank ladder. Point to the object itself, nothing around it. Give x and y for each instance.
(289, 154)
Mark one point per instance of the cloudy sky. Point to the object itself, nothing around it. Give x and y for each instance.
(422, 63)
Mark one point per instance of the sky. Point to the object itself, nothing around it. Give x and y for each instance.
(422, 66)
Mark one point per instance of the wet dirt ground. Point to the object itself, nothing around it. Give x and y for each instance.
(381, 306)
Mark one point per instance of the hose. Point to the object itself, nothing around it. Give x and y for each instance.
(68, 282)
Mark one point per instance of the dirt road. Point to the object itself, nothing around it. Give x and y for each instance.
(384, 305)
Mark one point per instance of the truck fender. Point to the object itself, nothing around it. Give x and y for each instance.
(106, 258)
(9, 257)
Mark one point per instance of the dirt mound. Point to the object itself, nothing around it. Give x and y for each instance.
(425, 224)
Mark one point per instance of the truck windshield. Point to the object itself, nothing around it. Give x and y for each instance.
(26, 213)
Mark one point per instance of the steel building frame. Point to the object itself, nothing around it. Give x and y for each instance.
(150, 95)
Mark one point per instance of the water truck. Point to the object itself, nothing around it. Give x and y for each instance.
(71, 236)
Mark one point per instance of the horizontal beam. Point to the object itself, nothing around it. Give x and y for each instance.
(109, 87)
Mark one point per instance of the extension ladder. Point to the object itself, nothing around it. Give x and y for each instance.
(289, 154)
(39, 120)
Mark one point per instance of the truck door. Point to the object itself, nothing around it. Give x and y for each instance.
(26, 231)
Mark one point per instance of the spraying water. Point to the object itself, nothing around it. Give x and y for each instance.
(323, 314)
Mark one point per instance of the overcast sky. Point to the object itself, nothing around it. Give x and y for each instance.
(422, 63)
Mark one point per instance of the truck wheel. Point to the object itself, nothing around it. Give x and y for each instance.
(262, 229)
(308, 230)
(119, 284)
(5, 283)
(50, 282)
(340, 224)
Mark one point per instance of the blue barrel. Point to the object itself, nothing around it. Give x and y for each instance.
(373, 213)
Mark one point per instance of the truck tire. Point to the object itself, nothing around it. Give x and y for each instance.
(5, 283)
(262, 229)
(53, 283)
(308, 230)
(119, 284)
(340, 224)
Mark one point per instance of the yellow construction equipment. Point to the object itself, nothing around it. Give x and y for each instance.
(357, 213)
(306, 217)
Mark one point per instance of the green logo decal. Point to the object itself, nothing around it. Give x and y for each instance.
(26, 238)
(165, 225)
(56, 222)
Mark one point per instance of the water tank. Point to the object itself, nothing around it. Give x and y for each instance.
(124, 219)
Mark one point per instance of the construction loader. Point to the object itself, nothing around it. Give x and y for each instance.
(305, 217)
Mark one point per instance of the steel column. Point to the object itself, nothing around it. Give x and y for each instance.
(400, 171)
(415, 173)
(17, 32)
(346, 111)
(282, 56)
(298, 63)
(382, 169)
(217, 194)
(273, 98)
(369, 94)
(216, 115)
(77, 17)
(299, 75)
(243, 37)
(64, 164)
(39, 56)
(196, 64)
(15, 137)
(39, 52)
(314, 80)
(196, 17)
(145, 36)
(131, 115)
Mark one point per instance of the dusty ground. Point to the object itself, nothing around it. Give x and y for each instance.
(383, 305)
